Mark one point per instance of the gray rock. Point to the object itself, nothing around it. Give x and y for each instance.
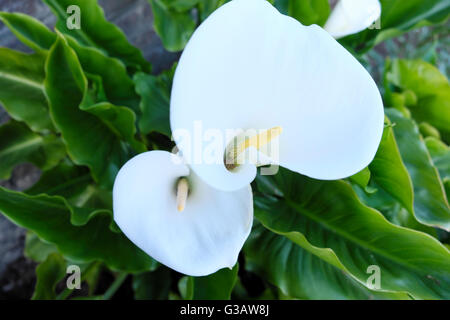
(16, 272)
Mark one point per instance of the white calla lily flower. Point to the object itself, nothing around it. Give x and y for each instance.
(249, 67)
(352, 16)
(195, 233)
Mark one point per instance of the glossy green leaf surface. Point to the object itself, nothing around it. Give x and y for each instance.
(301, 274)
(66, 180)
(217, 286)
(173, 27)
(308, 12)
(392, 209)
(18, 144)
(24, 73)
(120, 120)
(118, 86)
(155, 101)
(399, 16)
(430, 202)
(362, 178)
(48, 274)
(86, 101)
(92, 141)
(327, 219)
(206, 7)
(180, 5)
(73, 183)
(80, 235)
(36, 249)
(95, 31)
(29, 30)
(389, 172)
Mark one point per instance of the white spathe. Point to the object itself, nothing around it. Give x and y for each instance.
(250, 67)
(205, 237)
(352, 16)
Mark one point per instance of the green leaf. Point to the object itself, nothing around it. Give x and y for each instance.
(48, 274)
(431, 88)
(74, 184)
(186, 288)
(90, 140)
(91, 274)
(22, 89)
(155, 101)
(440, 153)
(53, 269)
(362, 178)
(174, 28)
(153, 285)
(80, 235)
(392, 209)
(66, 180)
(120, 120)
(206, 7)
(327, 219)
(300, 274)
(306, 11)
(30, 31)
(119, 87)
(389, 172)
(19, 145)
(181, 5)
(399, 16)
(430, 202)
(98, 33)
(217, 286)
(447, 187)
(36, 249)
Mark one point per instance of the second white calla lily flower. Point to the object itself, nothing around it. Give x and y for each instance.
(197, 236)
(250, 67)
(352, 16)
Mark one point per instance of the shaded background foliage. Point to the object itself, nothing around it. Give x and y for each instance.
(298, 247)
(135, 18)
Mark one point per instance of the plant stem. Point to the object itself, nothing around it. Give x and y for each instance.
(65, 294)
(115, 286)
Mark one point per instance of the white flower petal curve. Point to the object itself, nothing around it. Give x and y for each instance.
(352, 16)
(249, 67)
(205, 237)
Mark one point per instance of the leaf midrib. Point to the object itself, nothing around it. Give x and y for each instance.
(85, 196)
(26, 81)
(68, 184)
(21, 145)
(349, 237)
(63, 15)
